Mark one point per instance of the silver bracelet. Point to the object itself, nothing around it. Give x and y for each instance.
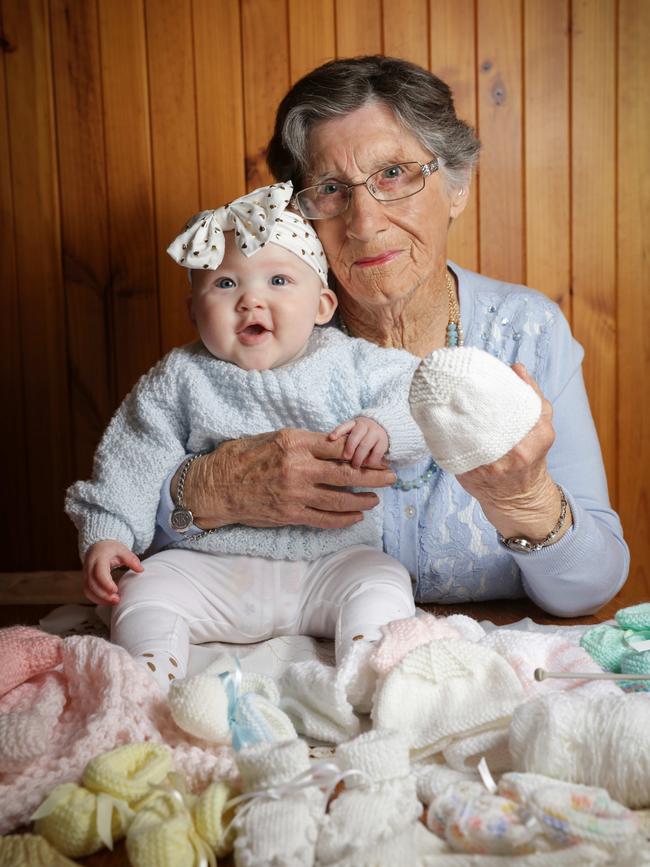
(527, 546)
(181, 518)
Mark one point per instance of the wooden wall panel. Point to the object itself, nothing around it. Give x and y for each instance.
(453, 58)
(32, 148)
(135, 325)
(14, 511)
(633, 308)
(501, 212)
(547, 157)
(170, 52)
(358, 27)
(405, 25)
(312, 36)
(593, 173)
(266, 79)
(219, 103)
(84, 222)
(122, 117)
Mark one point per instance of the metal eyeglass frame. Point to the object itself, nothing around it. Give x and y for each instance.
(427, 169)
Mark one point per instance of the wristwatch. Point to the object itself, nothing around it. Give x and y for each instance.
(526, 546)
(181, 518)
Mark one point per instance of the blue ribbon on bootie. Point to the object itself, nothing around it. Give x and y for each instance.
(246, 725)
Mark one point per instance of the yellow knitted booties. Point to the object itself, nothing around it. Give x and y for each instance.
(128, 772)
(211, 821)
(68, 819)
(163, 835)
(30, 850)
(80, 820)
(174, 829)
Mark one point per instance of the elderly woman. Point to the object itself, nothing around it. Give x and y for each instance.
(537, 521)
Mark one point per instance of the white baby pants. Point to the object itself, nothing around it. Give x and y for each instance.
(190, 597)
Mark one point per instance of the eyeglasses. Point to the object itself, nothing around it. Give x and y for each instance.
(331, 198)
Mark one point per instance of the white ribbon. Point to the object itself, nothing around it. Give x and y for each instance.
(486, 776)
(256, 219)
(323, 775)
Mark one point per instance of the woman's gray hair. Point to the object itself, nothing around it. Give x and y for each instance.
(418, 99)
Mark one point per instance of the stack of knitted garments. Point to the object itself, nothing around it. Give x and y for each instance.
(624, 647)
(447, 685)
(63, 702)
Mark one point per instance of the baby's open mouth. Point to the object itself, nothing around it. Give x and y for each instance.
(254, 329)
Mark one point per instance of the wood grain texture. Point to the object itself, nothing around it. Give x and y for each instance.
(32, 145)
(593, 174)
(266, 79)
(633, 296)
(84, 222)
(405, 26)
(219, 102)
(157, 111)
(170, 52)
(452, 37)
(358, 27)
(547, 155)
(501, 211)
(135, 324)
(12, 430)
(312, 36)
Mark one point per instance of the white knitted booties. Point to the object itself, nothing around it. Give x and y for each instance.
(279, 831)
(372, 822)
(471, 407)
(319, 698)
(221, 708)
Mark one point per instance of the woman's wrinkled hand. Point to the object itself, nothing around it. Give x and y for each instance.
(516, 493)
(285, 477)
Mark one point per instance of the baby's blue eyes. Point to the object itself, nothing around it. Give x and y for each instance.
(226, 283)
(229, 283)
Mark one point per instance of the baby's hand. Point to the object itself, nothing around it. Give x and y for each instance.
(367, 441)
(100, 558)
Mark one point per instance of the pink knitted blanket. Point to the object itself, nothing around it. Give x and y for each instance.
(96, 699)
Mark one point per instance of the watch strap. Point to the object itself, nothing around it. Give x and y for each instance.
(526, 546)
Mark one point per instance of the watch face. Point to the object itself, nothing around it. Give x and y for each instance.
(181, 519)
(520, 544)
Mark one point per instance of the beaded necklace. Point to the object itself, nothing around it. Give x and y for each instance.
(455, 337)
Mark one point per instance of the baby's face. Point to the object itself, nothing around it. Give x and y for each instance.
(258, 312)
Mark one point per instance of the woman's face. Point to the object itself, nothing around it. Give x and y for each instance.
(380, 252)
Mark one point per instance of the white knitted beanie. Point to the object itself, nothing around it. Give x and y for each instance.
(471, 407)
(373, 819)
(277, 830)
(594, 740)
(443, 691)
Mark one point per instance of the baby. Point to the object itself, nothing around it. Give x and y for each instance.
(259, 286)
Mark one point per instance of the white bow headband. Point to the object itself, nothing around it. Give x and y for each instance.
(258, 218)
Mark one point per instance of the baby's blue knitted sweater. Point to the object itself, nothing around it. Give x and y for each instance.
(190, 402)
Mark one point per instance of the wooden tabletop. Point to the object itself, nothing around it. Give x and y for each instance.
(500, 612)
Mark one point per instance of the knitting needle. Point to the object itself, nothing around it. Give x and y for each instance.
(542, 674)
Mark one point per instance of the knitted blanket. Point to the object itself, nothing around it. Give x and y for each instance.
(96, 699)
